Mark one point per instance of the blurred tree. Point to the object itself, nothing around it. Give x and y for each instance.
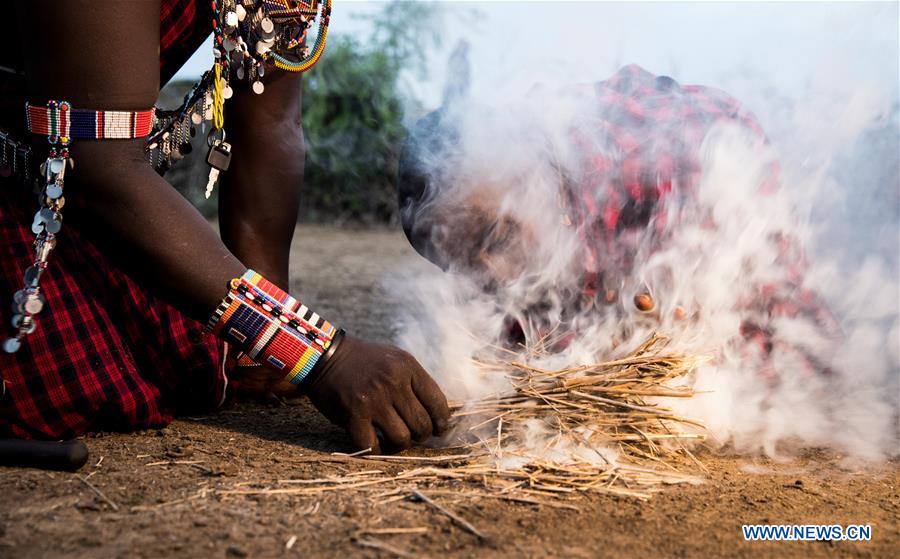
(353, 106)
(353, 109)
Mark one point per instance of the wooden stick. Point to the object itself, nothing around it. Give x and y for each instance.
(392, 531)
(382, 546)
(99, 493)
(352, 454)
(462, 522)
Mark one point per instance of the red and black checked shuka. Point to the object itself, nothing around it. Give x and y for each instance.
(106, 353)
(642, 151)
(638, 144)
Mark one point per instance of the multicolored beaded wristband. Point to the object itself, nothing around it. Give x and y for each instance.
(273, 328)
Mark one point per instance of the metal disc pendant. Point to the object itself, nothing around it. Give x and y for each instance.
(34, 305)
(231, 19)
(227, 92)
(240, 72)
(266, 25)
(196, 118)
(54, 225)
(11, 345)
(258, 87)
(57, 165)
(31, 276)
(54, 191)
(241, 12)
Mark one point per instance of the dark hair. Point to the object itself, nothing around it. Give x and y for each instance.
(426, 164)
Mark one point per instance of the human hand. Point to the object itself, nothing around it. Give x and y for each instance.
(365, 386)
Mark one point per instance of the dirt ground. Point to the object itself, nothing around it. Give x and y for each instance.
(162, 501)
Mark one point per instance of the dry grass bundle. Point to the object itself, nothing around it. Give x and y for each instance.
(556, 434)
(552, 430)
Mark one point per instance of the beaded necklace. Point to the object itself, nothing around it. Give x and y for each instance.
(248, 36)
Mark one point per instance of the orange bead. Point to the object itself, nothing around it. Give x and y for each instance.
(680, 313)
(644, 302)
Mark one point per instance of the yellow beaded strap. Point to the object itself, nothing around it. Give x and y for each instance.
(309, 60)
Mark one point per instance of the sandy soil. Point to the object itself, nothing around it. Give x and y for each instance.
(170, 509)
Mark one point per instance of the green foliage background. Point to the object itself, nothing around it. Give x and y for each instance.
(355, 104)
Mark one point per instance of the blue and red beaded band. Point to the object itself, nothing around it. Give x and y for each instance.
(271, 327)
(58, 120)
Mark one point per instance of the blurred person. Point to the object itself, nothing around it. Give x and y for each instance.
(630, 180)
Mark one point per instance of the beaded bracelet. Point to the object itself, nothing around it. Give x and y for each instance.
(272, 328)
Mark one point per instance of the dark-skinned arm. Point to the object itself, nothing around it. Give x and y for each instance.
(103, 54)
(260, 194)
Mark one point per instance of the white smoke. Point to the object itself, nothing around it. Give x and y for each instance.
(830, 142)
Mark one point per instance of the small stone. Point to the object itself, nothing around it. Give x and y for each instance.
(234, 551)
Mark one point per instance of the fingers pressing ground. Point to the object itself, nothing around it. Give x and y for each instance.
(396, 435)
(414, 415)
(433, 400)
(362, 433)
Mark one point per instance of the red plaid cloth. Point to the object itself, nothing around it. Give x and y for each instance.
(184, 25)
(642, 153)
(106, 354)
(642, 158)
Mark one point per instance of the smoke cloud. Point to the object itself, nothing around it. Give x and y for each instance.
(494, 218)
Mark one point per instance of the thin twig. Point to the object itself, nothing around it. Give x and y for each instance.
(382, 546)
(462, 522)
(99, 493)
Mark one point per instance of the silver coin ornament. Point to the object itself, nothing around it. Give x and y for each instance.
(54, 225)
(11, 345)
(54, 191)
(258, 87)
(57, 165)
(31, 274)
(267, 25)
(33, 305)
